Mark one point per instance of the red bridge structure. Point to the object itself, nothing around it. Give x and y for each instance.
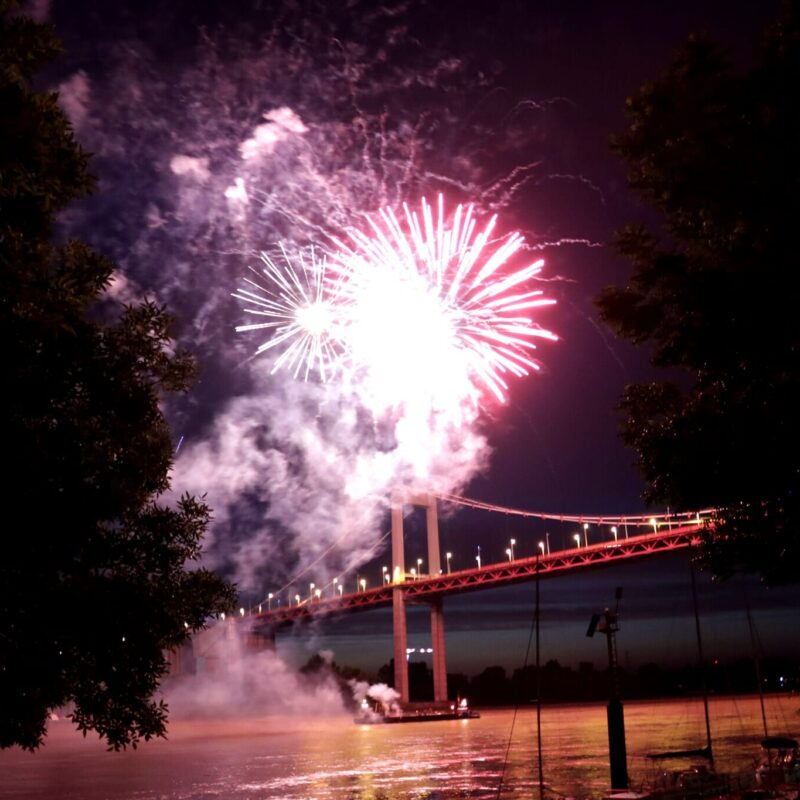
(666, 533)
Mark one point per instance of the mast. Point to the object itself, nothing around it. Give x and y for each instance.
(607, 623)
(756, 660)
(538, 689)
(702, 664)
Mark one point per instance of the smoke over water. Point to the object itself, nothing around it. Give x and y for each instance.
(239, 142)
(233, 682)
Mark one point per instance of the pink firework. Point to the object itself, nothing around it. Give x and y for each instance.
(428, 302)
(422, 311)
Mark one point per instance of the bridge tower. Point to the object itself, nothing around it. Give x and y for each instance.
(428, 502)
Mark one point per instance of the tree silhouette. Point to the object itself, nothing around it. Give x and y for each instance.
(715, 152)
(94, 583)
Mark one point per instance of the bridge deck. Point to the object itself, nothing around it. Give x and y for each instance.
(426, 588)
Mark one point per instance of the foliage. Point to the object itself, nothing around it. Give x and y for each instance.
(717, 153)
(93, 579)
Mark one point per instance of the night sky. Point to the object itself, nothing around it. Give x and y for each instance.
(465, 95)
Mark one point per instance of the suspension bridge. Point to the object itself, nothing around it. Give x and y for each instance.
(651, 536)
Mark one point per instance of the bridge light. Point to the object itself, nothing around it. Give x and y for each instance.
(541, 547)
(269, 601)
(654, 524)
(341, 589)
(363, 584)
(311, 587)
(586, 533)
(577, 538)
(297, 599)
(385, 573)
(222, 616)
(419, 567)
(241, 612)
(413, 574)
(318, 593)
(512, 542)
(448, 556)
(509, 553)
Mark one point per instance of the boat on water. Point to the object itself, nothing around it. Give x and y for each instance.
(780, 766)
(414, 712)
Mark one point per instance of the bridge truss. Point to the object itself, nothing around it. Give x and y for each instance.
(425, 589)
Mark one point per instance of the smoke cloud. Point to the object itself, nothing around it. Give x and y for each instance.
(232, 682)
(244, 142)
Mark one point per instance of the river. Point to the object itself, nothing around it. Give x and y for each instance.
(334, 759)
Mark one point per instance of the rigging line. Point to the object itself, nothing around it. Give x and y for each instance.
(598, 519)
(516, 707)
(316, 561)
(755, 655)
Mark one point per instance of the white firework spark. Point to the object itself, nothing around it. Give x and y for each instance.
(300, 316)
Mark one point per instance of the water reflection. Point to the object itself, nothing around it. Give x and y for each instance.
(333, 759)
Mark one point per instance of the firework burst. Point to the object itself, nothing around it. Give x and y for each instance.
(299, 315)
(419, 306)
(440, 296)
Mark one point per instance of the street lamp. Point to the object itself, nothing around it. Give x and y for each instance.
(547, 539)
(318, 593)
(577, 538)
(269, 601)
(541, 547)
(335, 581)
(586, 533)
(413, 573)
(385, 574)
(363, 584)
(419, 567)
(311, 587)
(614, 531)
(297, 599)
(478, 557)
(512, 542)
(654, 524)
(448, 556)
(510, 554)
(340, 587)
(241, 612)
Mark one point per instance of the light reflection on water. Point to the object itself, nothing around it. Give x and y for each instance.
(333, 759)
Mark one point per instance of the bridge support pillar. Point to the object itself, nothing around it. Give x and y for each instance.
(437, 613)
(400, 644)
(399, 604)
(256, 641)
(428, 501)
(439, 660)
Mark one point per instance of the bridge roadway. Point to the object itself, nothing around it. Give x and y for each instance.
(427, 588)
